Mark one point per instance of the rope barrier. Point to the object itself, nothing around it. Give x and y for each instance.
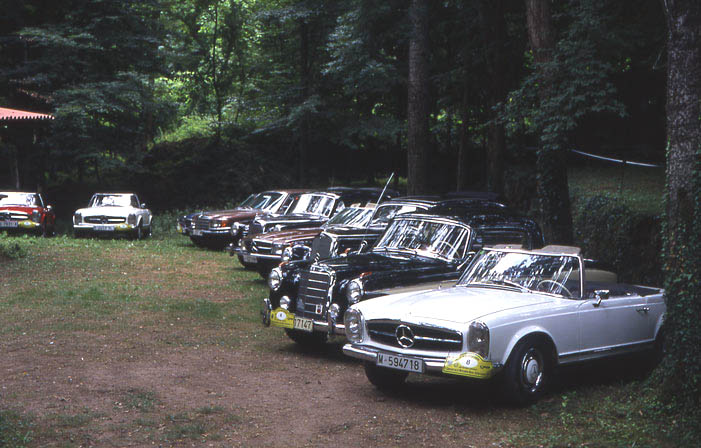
(609, 159)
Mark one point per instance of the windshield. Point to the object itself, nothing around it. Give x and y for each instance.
(246, 201)
(425, 237)
(23, 199)
(386, 212)
(114, 200)
(552, 274)
(262, 201)
(351, 216)
(314, 204)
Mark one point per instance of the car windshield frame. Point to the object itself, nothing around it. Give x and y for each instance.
(266, 201)
(425, 237)
(357, 217)
(526, 271)
(20, 199)
(317, 204)
(381, 219)
(113, 200)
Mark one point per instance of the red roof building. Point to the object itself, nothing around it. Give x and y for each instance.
(14, 115)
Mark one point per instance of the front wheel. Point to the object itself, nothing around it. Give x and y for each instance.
(527, 373)
(307, 340)
(138, 232)
(383, 378)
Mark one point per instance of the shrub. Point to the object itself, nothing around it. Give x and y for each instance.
(12, 248)
(611, 232)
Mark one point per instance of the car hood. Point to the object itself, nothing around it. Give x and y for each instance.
(292, 218)
(241, 214)
(457, 304)
(373, 262)
(107, 211)
(288, 236)
(19, 208)
(351, 232)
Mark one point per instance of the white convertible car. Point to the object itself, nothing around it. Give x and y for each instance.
(113, 213)
(514, 312)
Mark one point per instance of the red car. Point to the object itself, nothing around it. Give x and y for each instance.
(26, 212)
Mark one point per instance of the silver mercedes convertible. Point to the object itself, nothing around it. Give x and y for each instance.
(516, 313)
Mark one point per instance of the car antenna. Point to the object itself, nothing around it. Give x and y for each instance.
(362, 246)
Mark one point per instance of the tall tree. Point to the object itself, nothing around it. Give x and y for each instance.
(494, 31)
(92, 63)
(553, 191)
(570, 78)
(418, 101)
(683, 230)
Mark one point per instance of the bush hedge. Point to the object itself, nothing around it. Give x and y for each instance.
(611, 232)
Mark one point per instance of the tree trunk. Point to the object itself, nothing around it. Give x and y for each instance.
(417, 113)
(493, 30)
(682, 259)
(304, 127)
(553, 189)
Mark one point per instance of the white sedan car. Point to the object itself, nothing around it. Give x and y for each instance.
(514, 312)
(113, 213)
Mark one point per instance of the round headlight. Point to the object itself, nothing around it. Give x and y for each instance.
(274, 279)
(354, 291)
(353, 320)
(287, 254)
(285, 302)
(478, 338)
(77, 218)
(36, 217)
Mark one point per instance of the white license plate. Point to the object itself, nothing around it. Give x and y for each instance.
(8, 223)
(196, 232)
(304, 324)
(104, 228)
(249, 259)
(400, 362)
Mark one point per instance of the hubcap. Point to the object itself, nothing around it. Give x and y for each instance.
(532, 370)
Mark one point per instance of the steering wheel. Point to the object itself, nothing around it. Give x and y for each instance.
(564, 289)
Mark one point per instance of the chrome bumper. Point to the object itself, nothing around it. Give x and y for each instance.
(239, 251)
(370, 354)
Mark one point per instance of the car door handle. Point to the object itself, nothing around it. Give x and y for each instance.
(643, 310)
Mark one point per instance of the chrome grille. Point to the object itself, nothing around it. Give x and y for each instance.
(11, 215)
(425, 338)
(323, 247)
(313, 294)
(104, 219)
(201, 223)
(261, 247)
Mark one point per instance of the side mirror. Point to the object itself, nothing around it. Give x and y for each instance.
(49, 208)
(599, 295)
(143, 205)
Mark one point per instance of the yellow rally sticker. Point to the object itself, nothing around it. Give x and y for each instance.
(468, 364)
(282, 318)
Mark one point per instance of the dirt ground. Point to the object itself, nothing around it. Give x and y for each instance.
(209, 396)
